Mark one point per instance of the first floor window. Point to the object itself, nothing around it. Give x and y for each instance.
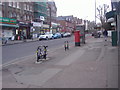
(10, 3)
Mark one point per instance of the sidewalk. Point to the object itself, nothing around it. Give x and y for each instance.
(93, 65)
(10, 42)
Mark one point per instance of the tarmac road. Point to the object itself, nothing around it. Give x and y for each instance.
(13, 52)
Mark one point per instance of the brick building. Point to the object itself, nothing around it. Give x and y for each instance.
(21, 13)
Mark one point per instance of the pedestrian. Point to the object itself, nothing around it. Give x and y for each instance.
(105, 34)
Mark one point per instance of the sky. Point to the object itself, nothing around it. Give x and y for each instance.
(84, 9)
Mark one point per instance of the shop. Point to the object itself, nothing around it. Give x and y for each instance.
(45, 28)
(24, 30)
(36, 29)
(9, 27)
(55, 27)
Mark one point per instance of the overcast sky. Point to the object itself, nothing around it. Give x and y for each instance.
(84, 9)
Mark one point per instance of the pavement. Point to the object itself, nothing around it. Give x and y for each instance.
(93, 65)
(10, 42)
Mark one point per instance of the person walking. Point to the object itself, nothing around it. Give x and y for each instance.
(105, 33)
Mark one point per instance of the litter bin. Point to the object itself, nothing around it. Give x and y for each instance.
(114, 38)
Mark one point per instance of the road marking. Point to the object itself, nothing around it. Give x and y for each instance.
(17, 60)
(71, 58)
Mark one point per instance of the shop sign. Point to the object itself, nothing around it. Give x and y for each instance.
(7, 20)
(25, 24)
(37, 24)
(42, 18)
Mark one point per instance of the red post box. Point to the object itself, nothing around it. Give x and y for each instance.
(77, 38)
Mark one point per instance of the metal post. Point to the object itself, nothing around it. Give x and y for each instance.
(118, 28)
(50, 18)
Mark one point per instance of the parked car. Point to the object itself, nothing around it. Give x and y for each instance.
(57, 35)
(67, 34)
(46, 36)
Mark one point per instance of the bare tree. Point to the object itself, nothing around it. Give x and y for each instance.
(102, 10)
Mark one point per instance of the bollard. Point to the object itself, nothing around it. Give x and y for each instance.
(66, 45)
(45, 52)
(41, 53)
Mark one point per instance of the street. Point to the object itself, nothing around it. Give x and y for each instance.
(93, 65)
(12, 52)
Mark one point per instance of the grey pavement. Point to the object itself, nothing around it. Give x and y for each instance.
(10, 42)
(93, 65)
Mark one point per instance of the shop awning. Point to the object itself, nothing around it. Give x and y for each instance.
(110, 14)
(8, 25)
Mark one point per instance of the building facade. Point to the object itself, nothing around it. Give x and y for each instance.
(22, 14)
(40, 16)
(52, 14)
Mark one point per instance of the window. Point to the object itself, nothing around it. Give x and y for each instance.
(14, 4)
(10, 14)
(18, 16)
(15, 15)
(18, 5)
(25, 17)
(0, 2)
(31, 8)
(0, 13)
(27, 7)
(10, 3)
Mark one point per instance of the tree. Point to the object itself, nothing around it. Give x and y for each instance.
(102, 10)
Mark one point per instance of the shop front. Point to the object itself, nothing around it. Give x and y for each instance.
(45, 28)
(55, 27)
(36, 29)
(23, 31)
(9, 27)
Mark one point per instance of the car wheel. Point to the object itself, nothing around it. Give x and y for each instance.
(47, 38)
(52, 37)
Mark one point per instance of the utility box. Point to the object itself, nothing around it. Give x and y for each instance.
(114, 38)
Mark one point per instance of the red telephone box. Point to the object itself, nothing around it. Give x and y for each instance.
(77, 38)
